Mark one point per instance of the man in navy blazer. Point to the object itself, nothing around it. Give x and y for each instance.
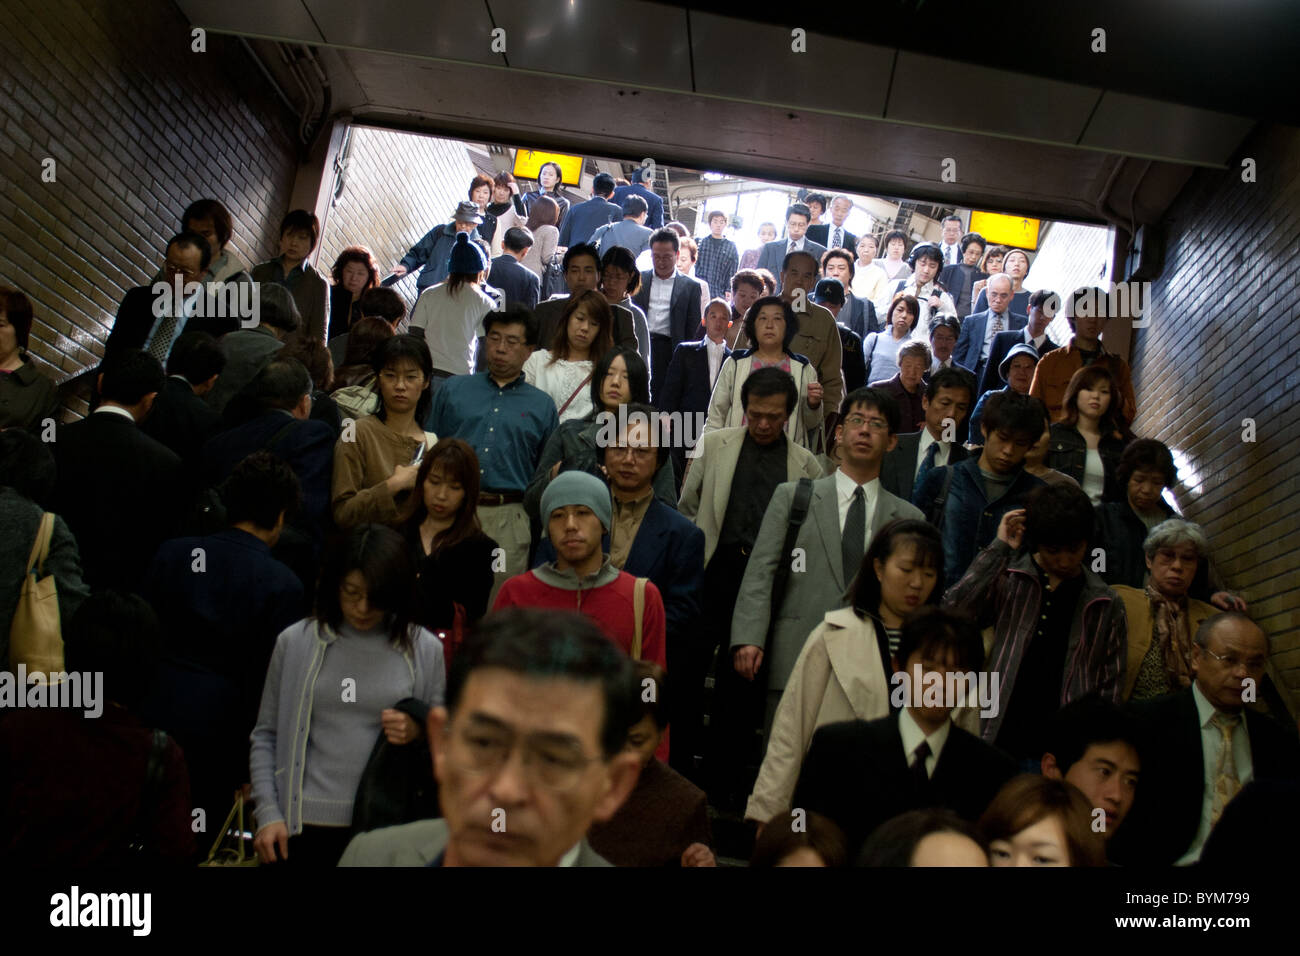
(772, 258)
(689, 383)
(586, 217)
(680, 322)
(520, 284)
(976, 337)
(654, 204)
(1034, 334)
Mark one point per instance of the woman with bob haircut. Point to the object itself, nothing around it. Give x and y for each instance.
(452, 555)
(1037, 821)
(376, 465)
(880, 349)
(566, 367)
(841, 674)
(313, 741)
(771, 324)
(1088, 443)
(619, 378)
(354, 272)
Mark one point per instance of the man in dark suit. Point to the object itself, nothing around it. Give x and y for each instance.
(977, 331)
(856, 313)
(520, 284)
(1041, 312)
(946, 402)
(282, 391)
(671, 303)
(833, 235)
(862, 773)
(1204, 733)
(654, 204)
(960, 277)
(120, 491)
(222, 624)
(586, 217)
(692, 373)
(180, 419)
(772, 258)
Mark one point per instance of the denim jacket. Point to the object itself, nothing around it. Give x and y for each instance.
(970, 520)
(1068, 453)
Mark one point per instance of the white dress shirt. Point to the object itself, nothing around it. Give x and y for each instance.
(118, 410)
(935, 364)
(1211, 744)
(912, 735)
(844, 488)
(1037, 343)
(951, 254)
(715, 358)
(793, 245)
(658, 311)
(940, 457)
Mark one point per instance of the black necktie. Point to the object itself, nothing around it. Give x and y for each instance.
(853, 545)
(919, 777)
(927, 463)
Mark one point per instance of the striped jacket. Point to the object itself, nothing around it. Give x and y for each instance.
(1003, 590)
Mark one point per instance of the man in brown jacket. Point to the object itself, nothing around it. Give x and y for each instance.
(1057, 367)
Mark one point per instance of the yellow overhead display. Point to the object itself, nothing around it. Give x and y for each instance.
(529, 161)
(1006, 230)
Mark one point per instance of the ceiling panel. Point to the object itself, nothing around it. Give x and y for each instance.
(285, 19)
(451, 29)
(1142, 127)
(939, 92)
(753, 61)
(632, 42)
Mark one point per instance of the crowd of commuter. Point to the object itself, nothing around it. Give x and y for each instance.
(826, 535)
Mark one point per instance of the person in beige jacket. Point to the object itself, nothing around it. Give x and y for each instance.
(844, 669)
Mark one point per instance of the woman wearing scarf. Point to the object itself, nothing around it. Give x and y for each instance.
(1162, 619)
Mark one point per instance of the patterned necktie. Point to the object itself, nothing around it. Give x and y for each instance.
(997, 322)
(1226, 783)
(161, 342)
(838, 239)
(792, 247)
(853, 545)
(920, 778)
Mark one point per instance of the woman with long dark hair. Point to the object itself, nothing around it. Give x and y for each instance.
(357, 668)
(453, 557)
(619, 378)
(844, 669)
(543, 223)
(564, 369)
(1088, 443)
(375, 466)
(771, 325)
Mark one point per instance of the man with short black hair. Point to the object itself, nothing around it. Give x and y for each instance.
(945, 403)
(833, 235)
(180, 419)
(640, 188)
(846, 509)
(630, 232)
(299, 233)
(966, 500)
(861, 773)
(120, 491)
(1087, 312)
(829, 294)
(671, 303)
(551, 685)
(1059, 631)
(584, 218)
(775, 254)
(1202, 745)
(521, 285)
(1094, 745)
(959, 278)
(248, 350)
(718, 257)
(507, 422)
(1042, 309)
(858, 314)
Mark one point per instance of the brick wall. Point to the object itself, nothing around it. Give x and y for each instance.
(138, 126)
(1222, 347)
(397, 186)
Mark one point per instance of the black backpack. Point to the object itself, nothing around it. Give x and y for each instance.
(553, 278)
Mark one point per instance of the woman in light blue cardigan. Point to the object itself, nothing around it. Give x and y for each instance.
(355, 669)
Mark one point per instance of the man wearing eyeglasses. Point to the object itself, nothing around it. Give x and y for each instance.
(528, 751)
(1210, 745)
(847, 508)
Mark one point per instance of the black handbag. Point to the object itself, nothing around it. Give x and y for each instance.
(398, 785)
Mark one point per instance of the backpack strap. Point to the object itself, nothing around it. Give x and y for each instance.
(937, 509)
(638, 608)
(798, 513)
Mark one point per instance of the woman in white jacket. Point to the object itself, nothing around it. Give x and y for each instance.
(771, 324)
(844, 670)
